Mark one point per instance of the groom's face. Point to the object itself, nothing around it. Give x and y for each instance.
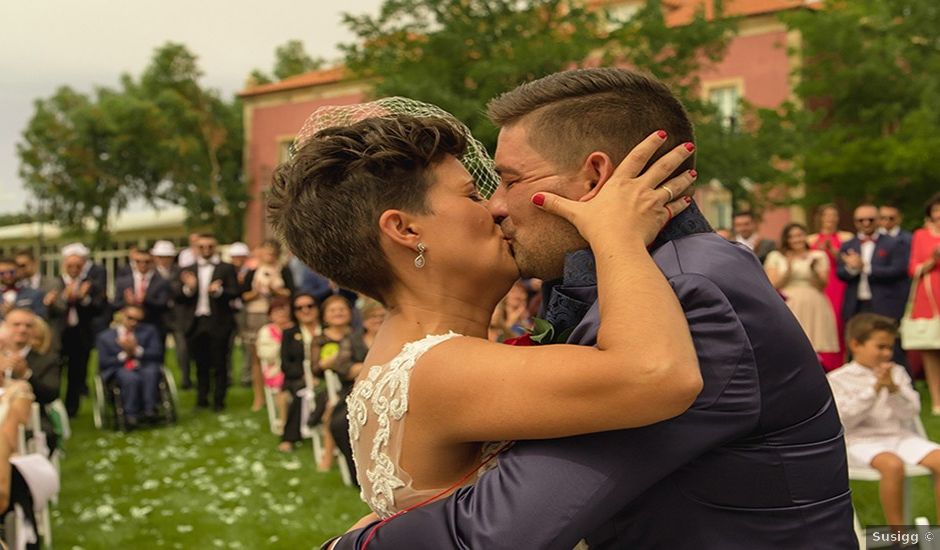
(539, 240)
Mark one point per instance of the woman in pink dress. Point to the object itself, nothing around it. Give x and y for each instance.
(925, 262)
(829, 239)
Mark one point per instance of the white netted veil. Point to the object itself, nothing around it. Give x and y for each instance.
(476, 160)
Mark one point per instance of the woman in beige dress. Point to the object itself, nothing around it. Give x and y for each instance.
(800, 274)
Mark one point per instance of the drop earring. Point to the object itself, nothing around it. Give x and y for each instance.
(419, 261)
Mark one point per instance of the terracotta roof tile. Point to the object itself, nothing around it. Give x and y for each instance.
(313, 78)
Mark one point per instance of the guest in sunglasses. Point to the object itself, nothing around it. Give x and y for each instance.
(295, 362)
(889, 223)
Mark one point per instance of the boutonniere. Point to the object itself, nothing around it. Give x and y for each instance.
(542, 332)
(298, 336)
(882, 253)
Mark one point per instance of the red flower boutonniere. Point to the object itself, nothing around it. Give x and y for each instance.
(542, 332)
(882, 253)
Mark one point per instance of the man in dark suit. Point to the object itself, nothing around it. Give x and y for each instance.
(875, 267)
(745, 232)
(757, 462)
(13, 294)
(204, 298)
(144, 287)
(29, 274)
(131, 355)
(889, 223)
(164, 257)
(77, 313)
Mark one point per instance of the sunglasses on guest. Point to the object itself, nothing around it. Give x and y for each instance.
(304, 307)
(865, 220)
(133, 318)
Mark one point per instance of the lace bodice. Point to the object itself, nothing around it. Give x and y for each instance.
(376, 410)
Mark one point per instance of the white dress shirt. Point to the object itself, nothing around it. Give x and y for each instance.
(205, 270)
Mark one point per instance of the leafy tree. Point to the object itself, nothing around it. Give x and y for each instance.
(290, 59)
(459, 55)
(868, 120)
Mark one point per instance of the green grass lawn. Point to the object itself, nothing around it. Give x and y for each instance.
(211, 481)
(217, 481)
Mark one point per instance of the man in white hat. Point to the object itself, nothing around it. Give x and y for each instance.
(164, 258)
(78, 313)
(239, 255)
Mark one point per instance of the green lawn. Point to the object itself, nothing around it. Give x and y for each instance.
(217, 481)
(211, 481)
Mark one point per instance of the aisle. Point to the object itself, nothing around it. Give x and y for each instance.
(212, 481)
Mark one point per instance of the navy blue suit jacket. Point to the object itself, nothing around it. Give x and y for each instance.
(148, 338)
(156, 300)
(31, 299)
(757, 462)
(888, 280)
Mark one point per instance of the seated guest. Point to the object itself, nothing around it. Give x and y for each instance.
(131, 355)
(295, 353)
(339, 349)
(15, 295)
(16, 403)
(268, 346)
(878, 406)
(28, 354)
(143, 286)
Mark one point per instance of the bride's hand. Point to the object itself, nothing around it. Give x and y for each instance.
(628, 204)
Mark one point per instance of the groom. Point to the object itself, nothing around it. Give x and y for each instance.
(757, 462)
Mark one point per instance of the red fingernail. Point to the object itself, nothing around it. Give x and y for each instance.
(693, 173)
(690, 146)
(538, 199)
(661, 134)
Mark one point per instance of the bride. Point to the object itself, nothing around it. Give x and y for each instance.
(384, 206)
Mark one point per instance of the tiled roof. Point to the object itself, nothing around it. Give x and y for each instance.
(313, 78)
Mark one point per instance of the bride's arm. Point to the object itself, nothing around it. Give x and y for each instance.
(643, 370)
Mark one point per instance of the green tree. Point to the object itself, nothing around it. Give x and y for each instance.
(459, 55)
(868, 121)
(290, 59)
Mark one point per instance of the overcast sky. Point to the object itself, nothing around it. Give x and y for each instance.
(45, 44)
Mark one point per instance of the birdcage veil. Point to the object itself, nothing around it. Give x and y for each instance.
(476, 160)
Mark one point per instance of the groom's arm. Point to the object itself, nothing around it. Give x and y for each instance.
(550, 494)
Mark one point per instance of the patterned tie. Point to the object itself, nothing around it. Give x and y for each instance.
(141, 287)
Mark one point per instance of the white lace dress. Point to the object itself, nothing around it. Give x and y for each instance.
(377, 408)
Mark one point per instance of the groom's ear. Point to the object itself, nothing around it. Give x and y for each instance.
(596, 170)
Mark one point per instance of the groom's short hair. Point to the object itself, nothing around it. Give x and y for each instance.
(574, 113)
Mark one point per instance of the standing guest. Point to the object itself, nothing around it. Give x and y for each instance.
(75, 312)
(128, 266)
(268, 349)
(829, 239)
(800, 274)
(874, 267)
(745, 232)
(339, 349)
(27, 271)
(207, 289)
(295, 363)
(878, 406)
(240, 255)
(268, 280)
(889, 223)
(925, 266)
(190, 254)
(146, 288)
(164, 257)
(131, 355)
(14, 295)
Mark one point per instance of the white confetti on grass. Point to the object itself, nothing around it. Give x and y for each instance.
(184, 528)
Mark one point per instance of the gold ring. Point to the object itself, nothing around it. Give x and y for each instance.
(671, 195)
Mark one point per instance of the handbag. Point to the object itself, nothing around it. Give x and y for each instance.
(920, 334)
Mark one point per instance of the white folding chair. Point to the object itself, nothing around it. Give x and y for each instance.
(867, 473)
(57, 408)
(270, 403)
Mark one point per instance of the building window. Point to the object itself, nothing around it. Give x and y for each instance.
(728, 101)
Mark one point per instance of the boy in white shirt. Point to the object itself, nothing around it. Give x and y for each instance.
(878, 405)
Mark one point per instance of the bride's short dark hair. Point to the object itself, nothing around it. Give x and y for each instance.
(325, 202)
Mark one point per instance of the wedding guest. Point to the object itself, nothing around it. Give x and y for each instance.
(17, 401)
(745, 232)
(270, 279)
(14, 295)
(925, 266)
(296, 345)
(829, 239)
(131, 355)
(800, 274)
(340, 349)
(268, 346)
(190, 254)
(28, 273)
(874, 266)
(878, 405)
(28, 354)
(144, 287)
(240, 257)
(889, 223)
(76, 314)
(207, 289)
(164, 258)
